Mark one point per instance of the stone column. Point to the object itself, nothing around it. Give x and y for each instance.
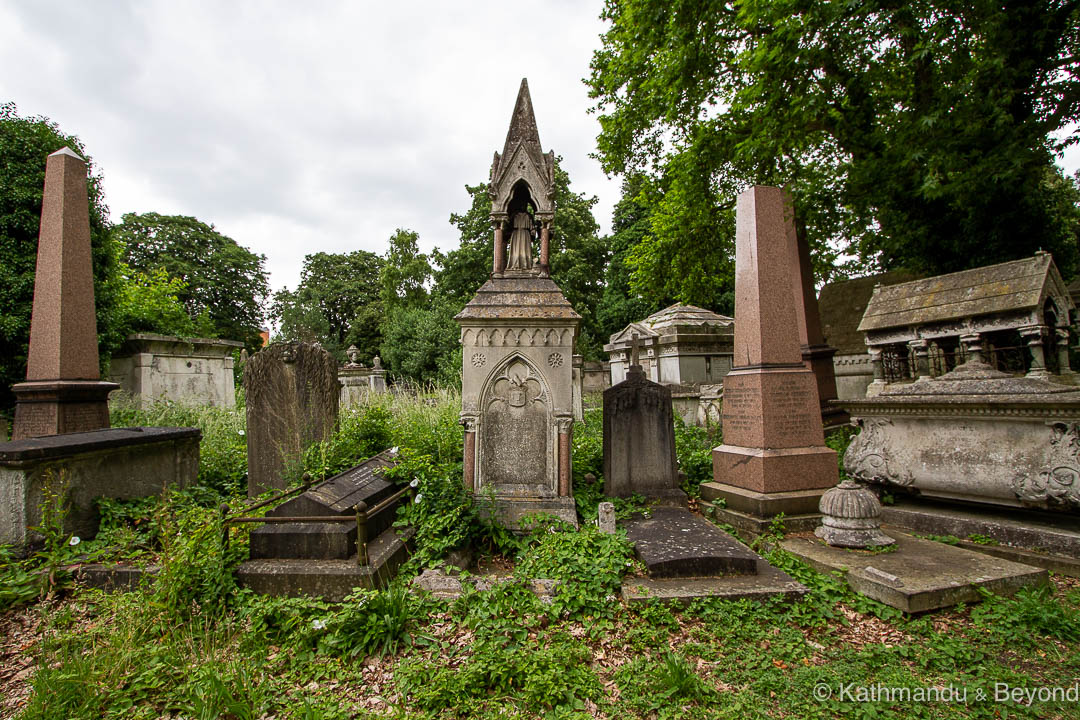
(500, 246)
(565, 426)
(1033, 334)
(545, 246)
(973, 344)
(878, 383)
(469, 473)
(1063, 351)
(921, 348)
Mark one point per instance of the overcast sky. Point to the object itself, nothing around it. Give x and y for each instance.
(299, 127)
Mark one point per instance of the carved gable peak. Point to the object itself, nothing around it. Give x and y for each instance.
(523, 157)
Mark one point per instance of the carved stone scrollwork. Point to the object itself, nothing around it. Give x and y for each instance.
(1058, 481)
(563, 424)
(469, 423)
(869, 457)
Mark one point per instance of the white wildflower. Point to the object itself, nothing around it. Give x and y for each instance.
(318, 625)
(609, 598)
(75, 540)
(419, 497)
(415, 482)
(239, 432)
(394, 450)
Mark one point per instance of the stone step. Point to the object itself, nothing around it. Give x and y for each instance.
(331, 580)
(673, 542)
(766, 583)
(1041, 531)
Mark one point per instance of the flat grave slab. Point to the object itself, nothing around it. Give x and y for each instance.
(673, 542)
(767, 582)
(920, 574)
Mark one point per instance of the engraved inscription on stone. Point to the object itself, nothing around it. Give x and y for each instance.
(515, 430)
(737, 404)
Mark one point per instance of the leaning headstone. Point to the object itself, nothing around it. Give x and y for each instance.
(774, 457)
(605, 517)
(292, 393)
(639, 438)
(63, 392)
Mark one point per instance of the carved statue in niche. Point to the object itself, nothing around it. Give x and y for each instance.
(516, 429)
(521, 243)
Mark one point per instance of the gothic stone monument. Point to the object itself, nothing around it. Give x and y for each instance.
(517, 337)
(63, 392)
(774, 457)
(639, 438)
(292, 395)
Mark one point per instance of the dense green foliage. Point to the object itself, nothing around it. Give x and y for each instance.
(223, 283)
(336, 304)
(910, 134)
(189, 642)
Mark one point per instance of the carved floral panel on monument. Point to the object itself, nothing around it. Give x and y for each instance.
(1057, 482)
(516, 429)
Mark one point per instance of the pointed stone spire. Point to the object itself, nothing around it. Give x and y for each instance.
(522, 130)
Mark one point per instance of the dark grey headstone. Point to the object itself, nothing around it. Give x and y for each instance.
(673, 542)
(639, 439)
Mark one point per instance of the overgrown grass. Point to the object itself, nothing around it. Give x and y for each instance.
(191, 644)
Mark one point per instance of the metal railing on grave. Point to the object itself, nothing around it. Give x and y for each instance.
(895, 365)
(362, 515)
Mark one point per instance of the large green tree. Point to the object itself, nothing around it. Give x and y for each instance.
(222, 280)
(337, 303)
(25, 143)
(913, 134)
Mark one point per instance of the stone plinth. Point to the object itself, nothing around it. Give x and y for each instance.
(192, 371)
(120, 463)
(292, 396)
(517, 339)
(63, 393)
(358, 382)
(773, 434)
(639, 440)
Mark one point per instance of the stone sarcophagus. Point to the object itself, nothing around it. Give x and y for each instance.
(974, 434)
(517, 339)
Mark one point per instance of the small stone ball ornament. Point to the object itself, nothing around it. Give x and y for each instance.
(851, 517)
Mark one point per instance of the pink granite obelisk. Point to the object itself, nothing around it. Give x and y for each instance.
(63, 392)
(815, 353)
(774, 457)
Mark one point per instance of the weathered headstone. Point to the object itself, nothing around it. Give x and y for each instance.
(774, 457)
(639, 438)
(63, 392)
(517, 337)
(292, 394)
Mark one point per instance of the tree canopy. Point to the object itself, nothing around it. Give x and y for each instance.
(913, 134)
(221, 280)
(337, 303)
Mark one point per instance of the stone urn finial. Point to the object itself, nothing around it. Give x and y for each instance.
(377, 363)
(851, 517)
(353, 353)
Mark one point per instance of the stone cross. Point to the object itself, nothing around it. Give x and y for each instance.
(634, 350)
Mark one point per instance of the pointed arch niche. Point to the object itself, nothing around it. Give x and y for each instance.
(517, 429)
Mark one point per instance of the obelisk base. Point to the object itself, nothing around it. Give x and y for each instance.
(771, 470)
(57, 407)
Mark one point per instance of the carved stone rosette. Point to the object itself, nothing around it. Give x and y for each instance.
(1058, 481)
(870, 455)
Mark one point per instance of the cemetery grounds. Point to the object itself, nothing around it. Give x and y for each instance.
(190, 644)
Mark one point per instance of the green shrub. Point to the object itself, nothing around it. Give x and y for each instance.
(441, 512)
(372, 622)
(693, 447)
(588, 564)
